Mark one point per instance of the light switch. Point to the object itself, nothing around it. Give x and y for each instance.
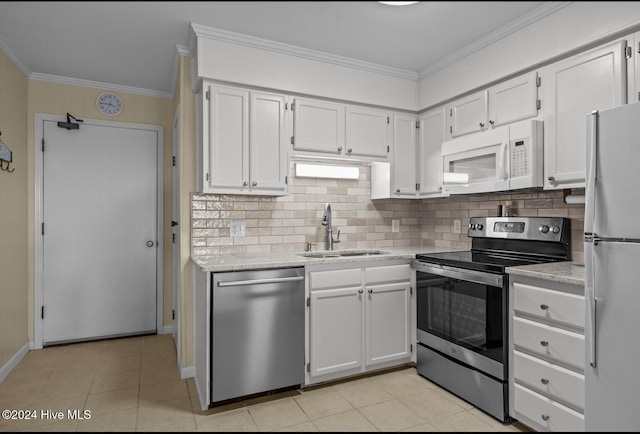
(395, 225)
(238, 228)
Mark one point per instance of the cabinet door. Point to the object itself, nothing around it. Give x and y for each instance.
(226, 152)
(431, 135)
(573, 88)
(469, 114)
(404, 157)
(267, 145)
(387, 322)
(367, 132)
(335, 330)
(513, 100)
(318, 126)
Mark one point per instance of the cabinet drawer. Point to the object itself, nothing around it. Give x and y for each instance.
(550, 342)
(549, 414)
(549, 304)
(562, 384)
(335, 278)
(390, 273)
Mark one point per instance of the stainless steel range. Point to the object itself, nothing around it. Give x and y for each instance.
(462, 305)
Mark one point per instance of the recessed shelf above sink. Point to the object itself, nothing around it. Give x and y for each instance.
(341, 253)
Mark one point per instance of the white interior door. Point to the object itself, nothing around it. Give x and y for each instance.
(100, 232)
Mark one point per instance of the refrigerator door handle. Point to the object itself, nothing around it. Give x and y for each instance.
(592, 146)
(592, 302)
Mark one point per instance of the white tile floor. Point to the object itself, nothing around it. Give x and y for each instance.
(133, 384)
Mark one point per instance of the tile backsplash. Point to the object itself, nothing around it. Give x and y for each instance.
(287, 223)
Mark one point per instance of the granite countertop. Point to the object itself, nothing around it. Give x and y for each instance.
(565, 272)
(249, 261)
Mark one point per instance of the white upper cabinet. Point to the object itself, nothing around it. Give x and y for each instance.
(404, 166)
(573, 88)
(507, 102)
(432, 133)
(318, 126)
(243, 142)
(367, 132)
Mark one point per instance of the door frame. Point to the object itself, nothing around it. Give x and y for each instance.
(176, 217)
(38, 297)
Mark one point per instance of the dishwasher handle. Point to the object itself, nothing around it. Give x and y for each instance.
(260, 281)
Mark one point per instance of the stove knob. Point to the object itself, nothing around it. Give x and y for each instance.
(472, 226)
(544, 229)
(479, 226)
(555, 229)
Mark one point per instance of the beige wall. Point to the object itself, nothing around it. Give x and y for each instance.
(58, 99)
(13, 212)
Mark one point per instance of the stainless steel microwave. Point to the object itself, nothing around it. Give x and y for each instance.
(502, 159)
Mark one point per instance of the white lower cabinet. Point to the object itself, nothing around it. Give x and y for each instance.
(359, 319)
(547, 354)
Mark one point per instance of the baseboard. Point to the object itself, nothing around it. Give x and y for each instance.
(13, 362)
(186, 371)
(167, 330)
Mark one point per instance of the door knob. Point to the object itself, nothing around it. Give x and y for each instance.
(150, 243)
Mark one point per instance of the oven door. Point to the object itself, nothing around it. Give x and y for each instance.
(462, 314)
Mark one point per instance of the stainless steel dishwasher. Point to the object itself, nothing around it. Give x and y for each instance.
(257, 332)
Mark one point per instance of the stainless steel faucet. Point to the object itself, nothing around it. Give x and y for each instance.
(326, 221)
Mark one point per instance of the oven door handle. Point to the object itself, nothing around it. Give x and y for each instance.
(460, 274)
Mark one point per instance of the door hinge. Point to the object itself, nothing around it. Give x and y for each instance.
(293, 106)
(207, 95)
(173, 161)
(638, 47)
(207, 176)
(411, 347)
(173, 314)
(411, 290)
(417, 186)
(638, 96)
(450, 130)
(388, 147)
(417, 125)
(627, 52)
(292, 141)
(42, 145)
(387, 119)
(42, 228)
(538, 81)
(173, 238)
(286, 179)
(308, 367)
(308, 301)
(538, 104)
(42, 312)
(286, 105)
(450, 112)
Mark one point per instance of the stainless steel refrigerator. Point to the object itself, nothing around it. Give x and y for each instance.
(612, 270)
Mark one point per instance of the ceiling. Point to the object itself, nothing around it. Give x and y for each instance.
(133, 44)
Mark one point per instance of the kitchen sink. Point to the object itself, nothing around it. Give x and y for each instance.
(341, 253)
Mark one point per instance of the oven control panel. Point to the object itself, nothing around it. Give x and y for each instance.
(524, 228)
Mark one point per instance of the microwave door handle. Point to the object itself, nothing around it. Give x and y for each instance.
(503, 162)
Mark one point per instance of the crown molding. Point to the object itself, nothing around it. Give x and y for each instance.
(99, 85)
(525, 20)
(9, 53)
(292, 50)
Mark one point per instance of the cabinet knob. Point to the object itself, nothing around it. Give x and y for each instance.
(481, 125)
(545, 417)
(491, 122)
(544, 343)
(254, 183)
(339, 148)
(360, 291)
(544, 381)
(397, 190)
(349, 150)
(244, 184)
(551, 178)
(440, 188)
(544, 307)
(370, 291)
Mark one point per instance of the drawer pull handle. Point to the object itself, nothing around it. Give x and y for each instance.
(544, 343)
(544, 306)
(544, 381)
(545, 417)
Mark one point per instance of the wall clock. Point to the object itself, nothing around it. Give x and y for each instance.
(109, 104)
